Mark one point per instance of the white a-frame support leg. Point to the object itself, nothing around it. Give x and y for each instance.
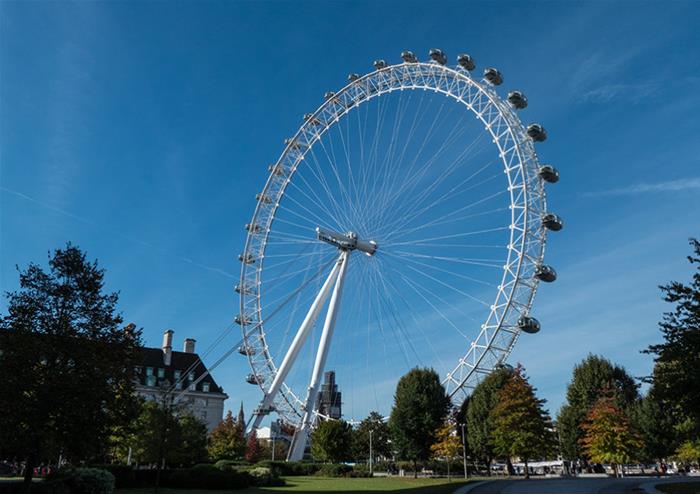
(296, 450)
(298, 343)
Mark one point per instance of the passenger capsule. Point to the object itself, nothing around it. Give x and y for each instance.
(242, 289)
(278, 170)
(250, 379)
(309, 117)
(245, 350)
(548, 173)
(438, 56)
(493, 76)
(545, 273)
(536, 132)
(241, 320)
(379, 64)
(528, 324)
(408, 57)
(517, 99)
(552, 222)
(252, 228)
(353, 77)
(260, 197)
(292, 143)
(246, 258)
(466, 62)
(329, 95)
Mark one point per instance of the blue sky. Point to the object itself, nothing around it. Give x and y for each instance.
(141, 131)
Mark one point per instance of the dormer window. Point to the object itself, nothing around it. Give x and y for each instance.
(149, 371)
(205, 387)
(161, 372)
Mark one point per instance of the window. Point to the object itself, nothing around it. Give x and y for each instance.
(177, 375)
(150, 380)
(205, 387)
(178, 384)
(149, 371)
(191, 376)
(161, 372)
(204, 414)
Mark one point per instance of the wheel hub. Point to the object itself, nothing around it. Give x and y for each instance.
(347, 241)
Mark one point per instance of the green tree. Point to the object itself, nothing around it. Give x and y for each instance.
(657, 427)
(420, 406)
(479, 424)
(675, 379)
(521, 426)
(380, 438)
(590, 377)
(688, 452)
(67, 367)
(192, 442)
(608, 436)
(227, 440)
(332, 441)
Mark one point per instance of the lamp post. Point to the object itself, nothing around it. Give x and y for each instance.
(370, 452)
(464, 453)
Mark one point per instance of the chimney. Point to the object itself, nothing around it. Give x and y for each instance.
(167, 346)
(188, 347)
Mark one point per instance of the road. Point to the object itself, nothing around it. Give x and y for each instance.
(572, 486)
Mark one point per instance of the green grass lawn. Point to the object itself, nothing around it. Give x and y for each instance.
(397, 485)
(680, 488)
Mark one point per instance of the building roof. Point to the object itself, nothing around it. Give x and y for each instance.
(180, 361)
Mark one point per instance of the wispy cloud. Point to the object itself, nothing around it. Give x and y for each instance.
(644, 188)
(100, 226)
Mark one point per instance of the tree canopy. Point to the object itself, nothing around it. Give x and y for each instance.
(420, 407)
(607, 434)
(332, 441)
(479, 420)
(590, 377)
(521, 426)
(677, 358)
(380, 437)
(227, 440)
(67, 367)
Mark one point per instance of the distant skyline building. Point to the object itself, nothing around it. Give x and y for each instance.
(163, 369)
(329, 400)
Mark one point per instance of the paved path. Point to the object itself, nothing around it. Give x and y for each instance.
(636, 485)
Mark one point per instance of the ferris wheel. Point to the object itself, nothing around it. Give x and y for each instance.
(410, 205)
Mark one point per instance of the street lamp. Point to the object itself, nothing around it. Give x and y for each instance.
(464, 452)
(370, 452)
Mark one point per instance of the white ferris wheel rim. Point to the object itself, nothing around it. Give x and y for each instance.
(516, 292)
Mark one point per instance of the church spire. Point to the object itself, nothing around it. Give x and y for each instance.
(241, 415)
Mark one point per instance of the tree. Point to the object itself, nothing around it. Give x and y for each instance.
(675, 379)
(657, 427)
(165, 434)
(420, 406)
(521, 426)
(448, 445)
(67, 367)
(227, 440)
(590, 377)
(192, 441)
(688, 452)
(253, 452)
(479, 424)
(380, 438)
(607, 434)
(331, 441)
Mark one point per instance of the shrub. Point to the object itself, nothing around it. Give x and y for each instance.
(87, 480)
(124, 475)
(230, 464)
(334, 470)
(265, 477)
(290, 468)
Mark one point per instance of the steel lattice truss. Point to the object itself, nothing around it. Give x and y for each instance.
(518, 285)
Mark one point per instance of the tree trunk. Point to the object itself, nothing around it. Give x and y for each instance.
(415, 469)
(488, 466)
(449, 479)
(29, 471)
(527, 471)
